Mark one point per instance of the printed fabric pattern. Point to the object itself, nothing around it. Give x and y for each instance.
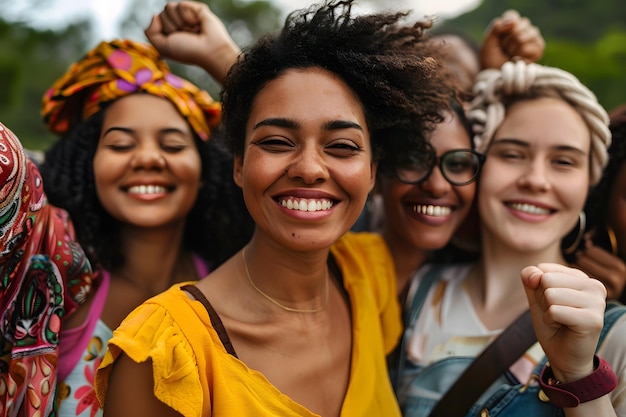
(44, 276)
(77, 394)
(116, 69)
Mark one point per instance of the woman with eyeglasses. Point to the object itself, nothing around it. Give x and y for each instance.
(423, 202)
(427, 196)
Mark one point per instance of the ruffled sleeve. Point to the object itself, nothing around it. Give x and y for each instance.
(161, 330)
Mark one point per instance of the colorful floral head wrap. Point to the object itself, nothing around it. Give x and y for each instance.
(44, 276)
(116, 69)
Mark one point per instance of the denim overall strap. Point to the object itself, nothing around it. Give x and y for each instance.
(427, 281)
(614, 310)
(410, 317)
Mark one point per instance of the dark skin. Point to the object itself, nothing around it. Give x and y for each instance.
(270, 342)
(306, 356)
(138, 380)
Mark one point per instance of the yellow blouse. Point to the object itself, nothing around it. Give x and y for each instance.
(175, 332)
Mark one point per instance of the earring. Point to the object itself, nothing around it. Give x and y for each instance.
(612, 239)
(582, 224)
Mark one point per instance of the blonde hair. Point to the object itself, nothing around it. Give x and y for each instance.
(495, 90)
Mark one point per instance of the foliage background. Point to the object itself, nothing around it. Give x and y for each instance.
(587, 38)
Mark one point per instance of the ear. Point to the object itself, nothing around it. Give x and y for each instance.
(373, 170)
(238, 170)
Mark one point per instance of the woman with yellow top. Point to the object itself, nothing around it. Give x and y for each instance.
(298, 323)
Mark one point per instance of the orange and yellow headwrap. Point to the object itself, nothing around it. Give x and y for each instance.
(116, 69)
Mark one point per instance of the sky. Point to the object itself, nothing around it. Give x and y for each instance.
(106, 13)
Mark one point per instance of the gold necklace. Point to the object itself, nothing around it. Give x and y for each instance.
(278, 304)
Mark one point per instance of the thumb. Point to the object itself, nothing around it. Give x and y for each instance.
(155, 29)
(531, 277)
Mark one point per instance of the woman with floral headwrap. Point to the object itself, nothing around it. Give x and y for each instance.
(152, 201)
(545, 138)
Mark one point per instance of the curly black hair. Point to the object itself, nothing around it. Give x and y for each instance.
(217, 226)
(387, 64)
(391, 159)
(596, 205)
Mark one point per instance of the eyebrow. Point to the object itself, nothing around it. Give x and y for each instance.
(131, 131)
(292, 124)
(524, 144)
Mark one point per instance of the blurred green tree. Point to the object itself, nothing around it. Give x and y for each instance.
(584, 37)
(30, 61)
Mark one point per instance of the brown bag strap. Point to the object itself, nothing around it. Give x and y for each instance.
(508, 347)
(215, 318)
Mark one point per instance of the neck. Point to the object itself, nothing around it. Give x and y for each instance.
(154, 259)
(496, 280)
(406, 258)
(299, 280)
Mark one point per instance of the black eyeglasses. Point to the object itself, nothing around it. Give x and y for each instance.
(458, 166)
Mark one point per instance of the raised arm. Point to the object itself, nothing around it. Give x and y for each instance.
(508, 37)
(189, 32)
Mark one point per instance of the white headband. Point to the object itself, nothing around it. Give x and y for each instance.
(487, 110)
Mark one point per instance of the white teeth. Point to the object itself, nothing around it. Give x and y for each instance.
(304, 204)
(430, 210)
(147, 189)
(529, 208)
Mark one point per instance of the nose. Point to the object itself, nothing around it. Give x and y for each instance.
(308, 165)
(436, 184)
(148, 158)
(535, 177)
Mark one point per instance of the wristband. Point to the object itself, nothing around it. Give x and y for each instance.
(595, 385)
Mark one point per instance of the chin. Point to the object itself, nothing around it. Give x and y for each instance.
(528, 245)
(432, 239)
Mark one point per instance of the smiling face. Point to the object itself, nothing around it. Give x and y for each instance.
(147, 169)
(307, 166)
(425, 215)
(536, 176)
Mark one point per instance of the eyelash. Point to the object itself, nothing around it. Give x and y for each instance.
(344, 145)
(278, 142)
(166, 148)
